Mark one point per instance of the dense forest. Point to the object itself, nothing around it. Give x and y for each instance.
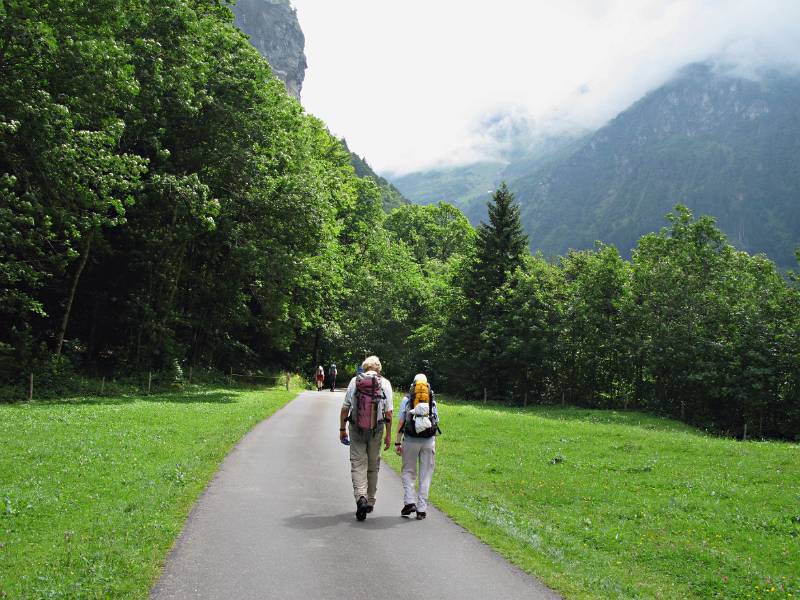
(166, 204)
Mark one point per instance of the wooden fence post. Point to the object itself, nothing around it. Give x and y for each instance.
(484, 395)
(149, 381)
(744, 435)
(190, 373)
(525, 402)
(30, 387)
(287, 381)
(230, 378)
(103, 386)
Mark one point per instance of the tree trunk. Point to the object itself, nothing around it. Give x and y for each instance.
(173, 286)
(65, 321)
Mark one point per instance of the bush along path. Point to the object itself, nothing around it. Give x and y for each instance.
(94, 491)
(278, 521)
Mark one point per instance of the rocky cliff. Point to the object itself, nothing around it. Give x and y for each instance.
(274, 30)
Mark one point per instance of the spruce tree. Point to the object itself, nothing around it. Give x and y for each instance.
(501, 245)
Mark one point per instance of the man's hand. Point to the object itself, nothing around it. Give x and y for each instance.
(386, 441)
(398, 450)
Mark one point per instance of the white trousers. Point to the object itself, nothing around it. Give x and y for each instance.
(422, 451)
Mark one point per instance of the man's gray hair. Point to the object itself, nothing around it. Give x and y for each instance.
(372, 363)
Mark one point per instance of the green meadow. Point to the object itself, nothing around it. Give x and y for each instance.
(94, 491)
(610, 504)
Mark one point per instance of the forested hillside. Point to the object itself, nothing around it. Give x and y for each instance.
(468, 187)
(391, 197)
(722, 145)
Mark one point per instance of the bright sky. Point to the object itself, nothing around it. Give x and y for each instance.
(411, 84)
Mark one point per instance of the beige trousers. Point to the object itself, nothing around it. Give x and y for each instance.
(365, 461)
(422, 451)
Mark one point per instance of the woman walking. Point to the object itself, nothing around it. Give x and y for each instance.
(418, 426)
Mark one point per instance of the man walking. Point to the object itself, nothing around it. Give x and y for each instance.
(367, 412)
(332, 372)
(419, 423)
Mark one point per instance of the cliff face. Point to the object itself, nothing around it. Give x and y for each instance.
(274, 30)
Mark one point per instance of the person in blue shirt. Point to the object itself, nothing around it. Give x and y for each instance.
(416, 444)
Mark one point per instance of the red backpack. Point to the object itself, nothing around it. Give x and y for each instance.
(364, 413)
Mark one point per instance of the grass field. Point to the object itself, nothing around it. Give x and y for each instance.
(604, 504)
(93, 492)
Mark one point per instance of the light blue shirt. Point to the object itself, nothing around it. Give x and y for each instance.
(404, 408)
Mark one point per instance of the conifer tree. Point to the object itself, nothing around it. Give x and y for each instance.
(501, 247)
(502, 244)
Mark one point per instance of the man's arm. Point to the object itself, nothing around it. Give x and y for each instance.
(387, 440)
(345, 412)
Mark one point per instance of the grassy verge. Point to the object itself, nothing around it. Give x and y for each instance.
(94, 491)
(605, 504)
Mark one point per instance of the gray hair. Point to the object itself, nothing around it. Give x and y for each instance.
(372, 363)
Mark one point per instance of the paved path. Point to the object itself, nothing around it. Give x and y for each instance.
(278, 522)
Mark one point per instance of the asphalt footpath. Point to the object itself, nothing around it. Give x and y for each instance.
(278, 521)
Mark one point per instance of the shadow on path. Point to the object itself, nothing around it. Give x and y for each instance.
(309, 522)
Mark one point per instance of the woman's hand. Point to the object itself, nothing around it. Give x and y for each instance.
(398, 450)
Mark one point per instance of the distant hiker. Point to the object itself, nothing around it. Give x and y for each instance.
(368, 410)
(418, 424)
(320, 377)
(332, 376)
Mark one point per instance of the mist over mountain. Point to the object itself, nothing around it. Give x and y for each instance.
(723, 144)
(469, 186)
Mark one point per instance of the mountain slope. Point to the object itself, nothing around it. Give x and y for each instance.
(469, 186)
(391, 197)
(725, 146)
(460, 186)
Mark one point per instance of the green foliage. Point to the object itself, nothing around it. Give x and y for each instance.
(691, 328)
(187, 212)
(391, 198)
(435, 232)
(475, 351)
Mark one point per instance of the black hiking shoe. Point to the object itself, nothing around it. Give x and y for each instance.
(408, 509)
(421, 515)
(369, 508)
(361, 509)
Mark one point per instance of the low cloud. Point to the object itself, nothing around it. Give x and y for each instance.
(417, 84)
